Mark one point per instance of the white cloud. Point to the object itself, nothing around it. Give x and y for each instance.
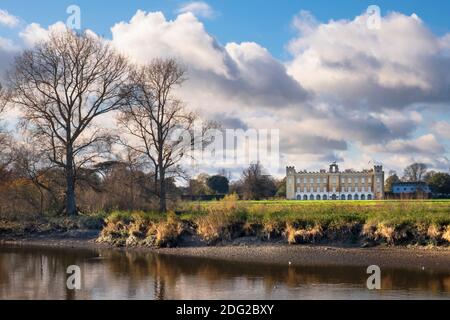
(8, 49)
(34, 33)
(150, 35)
(349, 94)
(425, 145)
(442, 128)
(243, 75)
(344, 61)
(198, 8)
(8, 19)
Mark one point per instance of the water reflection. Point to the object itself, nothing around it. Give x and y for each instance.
(37, 273)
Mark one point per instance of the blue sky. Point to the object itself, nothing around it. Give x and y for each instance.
(336, 90)
(267, 22)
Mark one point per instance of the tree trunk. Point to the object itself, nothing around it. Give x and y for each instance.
(162, 191)
(71, 206)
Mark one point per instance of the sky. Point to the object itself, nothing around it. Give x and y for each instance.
(337, 89)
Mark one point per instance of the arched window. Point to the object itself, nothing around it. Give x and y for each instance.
(369, 197)
(318, 197)
(356, 197)
(334, 197)
(305, 197)
(343, 197)
(363, 197)
(299, 197)
(325, 197)
(311, 197)
(349, 197)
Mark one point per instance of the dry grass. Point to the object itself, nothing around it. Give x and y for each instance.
(446, 234)
(221, 221)
(304, 235)
(389, 222)
(167, 232)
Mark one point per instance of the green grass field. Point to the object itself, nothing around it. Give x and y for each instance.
(428, 211)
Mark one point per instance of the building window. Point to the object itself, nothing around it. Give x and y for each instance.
(363, 180)
(304, 180)
(311, 180)
(324, 180)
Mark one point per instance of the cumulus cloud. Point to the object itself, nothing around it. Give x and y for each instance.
(242, 75)
(344, 61)
(198, 8)
(348, 94)
(424, 145)
(8, 19)
(346, 90)
(34, 33)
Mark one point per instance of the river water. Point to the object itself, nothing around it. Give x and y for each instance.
(40, 273)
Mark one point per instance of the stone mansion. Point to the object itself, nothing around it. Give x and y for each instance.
(335, 185)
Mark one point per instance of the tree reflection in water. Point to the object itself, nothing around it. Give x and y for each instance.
(38, 273)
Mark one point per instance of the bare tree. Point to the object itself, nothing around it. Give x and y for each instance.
(32, 165)
(152, 115)
(3, 100)
(415, 172)
(5, 138)
(256, 184)
(62, 86)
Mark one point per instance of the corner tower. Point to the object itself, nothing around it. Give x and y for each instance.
(290, 183)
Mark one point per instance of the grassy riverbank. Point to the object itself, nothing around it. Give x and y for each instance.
(22, 226)
(365, 223)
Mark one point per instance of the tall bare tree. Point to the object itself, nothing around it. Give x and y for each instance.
(62, 86)
(415, 172)
(152, 115)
